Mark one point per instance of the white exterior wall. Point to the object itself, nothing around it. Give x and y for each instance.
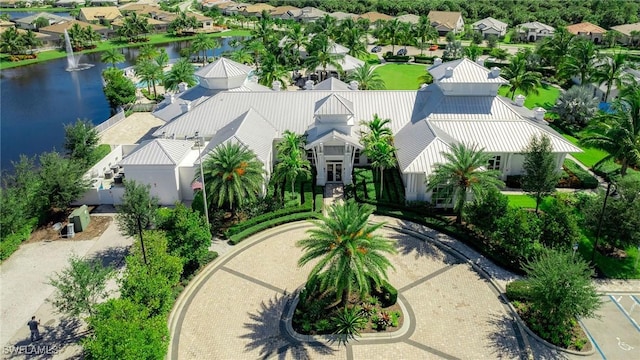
(164, 181)
(415, 188)
(186, 175)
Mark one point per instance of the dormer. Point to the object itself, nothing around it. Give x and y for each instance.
(464, 77)
(223, 74)
(334, 112)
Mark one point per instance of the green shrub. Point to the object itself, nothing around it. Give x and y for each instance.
(518, 290)
(236, 238)
(424, 59)
(12, 242)
(397, 58)
(100, 152)
(242, 226)
(586, 180)
(387, 294)
(514, 181)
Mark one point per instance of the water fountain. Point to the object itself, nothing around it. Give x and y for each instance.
(73, 63)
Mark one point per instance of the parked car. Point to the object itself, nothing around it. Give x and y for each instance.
(376, 49)
(433, 47)
(402, 52)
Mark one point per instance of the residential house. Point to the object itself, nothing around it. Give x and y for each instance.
(446, 21)
(310, 14)
(588, 31)
(340, 16)
(59, 28)
(140, 9)
(46, 40)
(409, 18)
(374, 16)
(256, 10)
(158, 26)
(490, 26)
(630, 32)
(215, 3)
(28, 22)
(286, 12)
(205, 23)
(70, 3)
(461, 106)
(104, 2)
(534, 31)
(232, 8)
(99, 15)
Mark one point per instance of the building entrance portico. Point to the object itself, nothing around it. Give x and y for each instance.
(334, 171)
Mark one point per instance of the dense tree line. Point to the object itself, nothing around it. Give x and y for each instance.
(553, 12)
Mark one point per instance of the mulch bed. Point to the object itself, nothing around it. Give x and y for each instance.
(97, 226)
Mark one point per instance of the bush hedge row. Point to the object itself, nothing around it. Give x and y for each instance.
(397, 58)
(586, 180)
(235, 239)
(518, 290)
(242, 226)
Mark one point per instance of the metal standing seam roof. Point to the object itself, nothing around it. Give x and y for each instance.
(223, 68)
(334, 105)
(314, 138)
(464, 71)
(250, 129)
(159, 152)
(332, 83)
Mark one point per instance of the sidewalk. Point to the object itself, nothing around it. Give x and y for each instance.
(24, 288)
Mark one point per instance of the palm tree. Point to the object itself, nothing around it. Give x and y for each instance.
(203, 43)
(320, 55)
(393, 31)
(233, 175)
(291, 142)
(612, 70)
(296, 38)
(367, 78)
(91, 35)
(377, 129)
(182, 71)
(242, 56)
(112, 56)
(349, 253)
(618, 133)
(30, 40)
(162, 59)
(40, 22)
(378, 145)
(554, 49)
(271, 71)
(353, 38)
(150, 72)
(182, 22)
(11, 41)
(325, 25)
(580, 60)
(147, 52)
(264, 31)
(462, 172)
(519, 77)
(424, 31)
(292, 166)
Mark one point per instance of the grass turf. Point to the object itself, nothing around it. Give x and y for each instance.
(590, 156)
(546, 97)
(401, 76)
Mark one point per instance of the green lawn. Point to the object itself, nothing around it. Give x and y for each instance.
(372, 59)
(522, 201)
(401, 76)
(546, 97)
(590, 156)
(113, 43)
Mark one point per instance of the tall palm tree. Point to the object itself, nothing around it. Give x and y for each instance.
(425, 32)
(242, 56)
(30, 40)
(554, 49)
(202, 43)
(292, 166)
(367, 78)
(393, 31)
(519, 77)
(147, 52)
(11, 41)
(378, 145)
(377, 129)
(611, 70)
(233, 175)
(348, 250)
(618, 133)
(112, 56)
(151, 73)
(162, 59)
(264, 30)
(354, 39)
(270, 71)
(320, 55)
(182, 71)
(297, 39)
(464, 171)
(580, 60)
(291, 142)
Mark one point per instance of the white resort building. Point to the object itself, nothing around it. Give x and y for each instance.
(461, 106)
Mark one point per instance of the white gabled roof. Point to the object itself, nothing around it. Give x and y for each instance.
(419, 147)
(489, 23)
(331, 83)
(464, 71)
(314, 138)
(223, 68)
(250, 129)
(159, 152)
(536, 25)
(334, 105)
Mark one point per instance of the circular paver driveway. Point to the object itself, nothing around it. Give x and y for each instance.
(233, 309)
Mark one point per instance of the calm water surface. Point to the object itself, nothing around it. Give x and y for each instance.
(36, 100)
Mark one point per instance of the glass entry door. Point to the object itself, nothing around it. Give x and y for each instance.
(334, 172)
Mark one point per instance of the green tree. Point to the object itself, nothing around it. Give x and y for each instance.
(618, 133)
(425, 32)
(119, 89)
(367, 78)
(348, 250)
(20, 196)
(80, 286)
(182, 71)
(30, 40)
(123, 330)
(151, 284)
(233, 175)
(540, 171)
(112, 56)
(555, 49)
(393, 32)
(242, 56)
(162, 59)
(136, 211)
(520, 78)
(560, 223)
(80, 141)
(147, 52)
(40, 22)
(61, 180)
(354, 39)
(472, 52)
(580, 61)
(378, 145)
(203, 43)
(576, 107)
(188, 235)
(151, 73)
(517, 235)
(182, 23)
(463, 172)
(485, 212)
(292, 159)
(611, 70)
(296, 39)
(560, 290)
(321, 56)
(453, 50)
(11, 41)
(271, 71)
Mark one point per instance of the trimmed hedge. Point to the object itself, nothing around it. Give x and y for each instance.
(586, 180)
(235, 239)
(397, 58)
(518, 290)
(424, 59)
(242, 226)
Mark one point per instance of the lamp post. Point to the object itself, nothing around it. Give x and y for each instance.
(575, 248)
(604, 206)
(204, 191)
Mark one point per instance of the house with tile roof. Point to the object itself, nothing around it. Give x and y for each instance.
(461, 106)
(286, 12)
(409, 18)
(588, 31)
(99, 15)
(490, 26)
(310, 14)
(630, 32)
(374, 16)
(256, 9)
(339, 15)
(534, 31)
(28, 22)
(446, 21)
(59, 28)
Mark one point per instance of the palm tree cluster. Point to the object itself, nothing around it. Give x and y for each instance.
(292, 160)
(133, 26)
(13, 42)
(82, 38)
(182, 23)
(378, 145)
(520, 75)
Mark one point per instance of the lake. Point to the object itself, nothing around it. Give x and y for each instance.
(37, 100)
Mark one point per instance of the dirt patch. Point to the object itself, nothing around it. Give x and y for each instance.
(97, 226)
